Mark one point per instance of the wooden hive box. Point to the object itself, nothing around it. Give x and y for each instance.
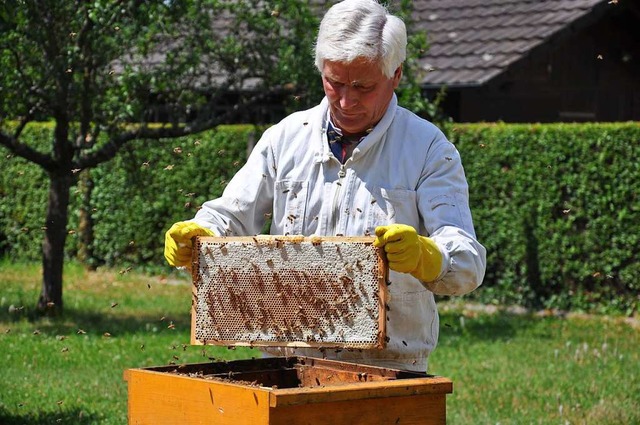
(295, 292)
(284, 391)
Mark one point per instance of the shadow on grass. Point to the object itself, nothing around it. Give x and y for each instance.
(498, 326)
(98, 323)
(75, 417)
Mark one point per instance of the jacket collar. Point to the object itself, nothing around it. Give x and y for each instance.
(376, 135)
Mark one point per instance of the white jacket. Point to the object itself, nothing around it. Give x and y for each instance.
(405, 171)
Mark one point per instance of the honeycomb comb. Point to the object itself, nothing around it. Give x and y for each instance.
(289, 291)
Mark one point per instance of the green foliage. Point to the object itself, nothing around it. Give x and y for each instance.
(104, 70)
(151, 186)
(555, 205)
(557, 208)
(103, 63)
(23, 190)
(136, 197)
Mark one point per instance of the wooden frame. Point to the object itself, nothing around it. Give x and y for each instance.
(289, 291)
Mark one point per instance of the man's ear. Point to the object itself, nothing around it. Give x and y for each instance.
(397, 75)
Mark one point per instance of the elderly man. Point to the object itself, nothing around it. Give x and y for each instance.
(359, 164)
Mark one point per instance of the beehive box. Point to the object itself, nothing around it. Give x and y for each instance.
(274, 391)
(296, 292)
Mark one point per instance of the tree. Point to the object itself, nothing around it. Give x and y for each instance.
(104, 70)
(101, 69)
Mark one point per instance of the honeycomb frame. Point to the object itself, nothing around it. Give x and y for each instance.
(289, 291)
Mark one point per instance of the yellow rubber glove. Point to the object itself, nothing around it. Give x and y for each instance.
(408, 252)
(178, 244)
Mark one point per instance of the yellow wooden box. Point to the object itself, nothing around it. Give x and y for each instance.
(291, 391)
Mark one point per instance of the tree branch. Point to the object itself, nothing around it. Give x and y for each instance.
(111, 148)
(24, 151)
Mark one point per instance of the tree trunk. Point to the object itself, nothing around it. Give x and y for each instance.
(53, 244)
(85, 221)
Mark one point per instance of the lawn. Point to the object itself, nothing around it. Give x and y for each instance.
(506, 368)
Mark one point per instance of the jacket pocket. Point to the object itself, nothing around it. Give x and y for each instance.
(290, 200)
(388, 206)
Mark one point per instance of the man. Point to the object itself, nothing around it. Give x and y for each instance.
(358, 164)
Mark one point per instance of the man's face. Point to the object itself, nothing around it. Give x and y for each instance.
(358, 93)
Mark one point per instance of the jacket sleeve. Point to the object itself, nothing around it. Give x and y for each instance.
(247, 201)
(443, 198)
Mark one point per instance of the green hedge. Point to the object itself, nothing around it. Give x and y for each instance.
(556, 205)
(135, 197)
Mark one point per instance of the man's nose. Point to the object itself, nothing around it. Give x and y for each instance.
(349, 96)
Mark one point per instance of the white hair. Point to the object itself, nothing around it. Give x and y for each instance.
(354, 29)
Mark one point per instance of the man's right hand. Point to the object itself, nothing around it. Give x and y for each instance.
(177, 242)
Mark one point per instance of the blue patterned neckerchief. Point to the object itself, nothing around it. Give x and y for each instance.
(339, 144)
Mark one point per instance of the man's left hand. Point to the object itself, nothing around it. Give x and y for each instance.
(409, 252)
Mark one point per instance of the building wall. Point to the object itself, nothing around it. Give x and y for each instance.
(593, 75)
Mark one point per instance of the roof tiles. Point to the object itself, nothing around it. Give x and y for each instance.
(472, 41)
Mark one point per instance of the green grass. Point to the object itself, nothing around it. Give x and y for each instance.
(506, 368)
(524, 369)
(70, 369)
